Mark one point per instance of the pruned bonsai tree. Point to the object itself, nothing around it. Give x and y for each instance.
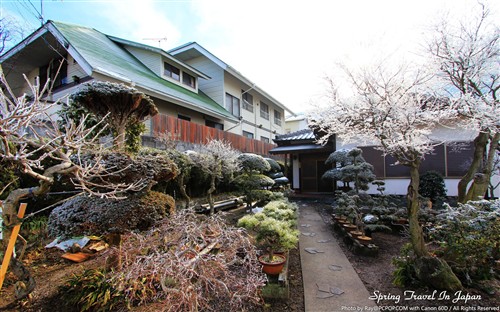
(217, 159)
(29, 137)
(432, 186)
(277, 173)
(349, 166)
(274, 227)
(252, 181)
(184, 166)
(124, 108)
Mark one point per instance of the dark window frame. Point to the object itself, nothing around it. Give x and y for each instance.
(191, 80)
(248, 134)
(183, 117)
(247, 101)
(277, 121)
(214, 124)
(444, 159)
(233, 105)
(171, 71)
(264, 113)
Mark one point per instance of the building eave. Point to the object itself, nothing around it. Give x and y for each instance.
(162, 53)
(164, 96)
(228, 69)
(201, 50)
(247, 81)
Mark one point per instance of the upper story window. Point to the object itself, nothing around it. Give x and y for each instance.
(264, 110)
(247, 101)
(214, 124)
(248, 134)
(264, 139)
(56, 71)
(188, 80)
(183, 117)
(277, 117)
(172, 71)
(233, 105)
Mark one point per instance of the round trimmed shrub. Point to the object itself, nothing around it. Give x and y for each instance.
(432, 186)
(85, 215)
(253, 162)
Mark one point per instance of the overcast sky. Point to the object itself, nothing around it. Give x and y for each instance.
(286, 47)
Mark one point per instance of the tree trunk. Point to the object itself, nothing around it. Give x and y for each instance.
(11, 204)
(182, 189)
(431, 271)
(119, 140)
(9, 213)
(25, 284)
(210, 191)
(480, 143)
(481, 182)
(478, 188)
(416, 234)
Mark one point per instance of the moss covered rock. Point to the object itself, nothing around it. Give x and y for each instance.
(437, 273)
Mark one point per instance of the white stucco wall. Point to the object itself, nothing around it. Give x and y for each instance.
(294, 124)
(253, 122)
(399, 186)
(296, 176)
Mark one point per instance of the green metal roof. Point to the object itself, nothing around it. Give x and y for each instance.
(107, 57)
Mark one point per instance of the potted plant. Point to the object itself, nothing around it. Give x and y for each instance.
(360, 228)
(274, 235)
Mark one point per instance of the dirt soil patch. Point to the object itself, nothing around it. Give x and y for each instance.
(377, 275)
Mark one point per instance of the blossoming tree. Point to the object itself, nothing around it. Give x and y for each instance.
(466, 55)
(392, 109)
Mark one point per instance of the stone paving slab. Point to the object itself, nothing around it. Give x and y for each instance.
(330, 282)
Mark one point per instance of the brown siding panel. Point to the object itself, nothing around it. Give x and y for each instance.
(191, 132)
(375, 158)
(434, 161)
(395, 171)
(459, 157)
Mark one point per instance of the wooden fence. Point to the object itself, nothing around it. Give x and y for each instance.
(186, 131)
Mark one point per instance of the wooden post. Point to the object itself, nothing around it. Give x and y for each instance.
(12, 242)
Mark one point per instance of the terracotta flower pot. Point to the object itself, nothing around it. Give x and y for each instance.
(349, 227)
(356, 233)
(272, 268)
(364, 240)
(338, 217)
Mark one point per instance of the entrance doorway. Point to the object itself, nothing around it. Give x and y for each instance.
(312, 168)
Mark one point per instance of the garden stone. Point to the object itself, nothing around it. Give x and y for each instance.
(370, 219)
(313, 250)
(334, 267)
(437, 273)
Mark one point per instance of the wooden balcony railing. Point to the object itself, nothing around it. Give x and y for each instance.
(186, 131)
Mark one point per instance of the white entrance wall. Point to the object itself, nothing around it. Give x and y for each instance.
(296, 176)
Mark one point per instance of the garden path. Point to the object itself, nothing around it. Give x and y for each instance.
(330, 282)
